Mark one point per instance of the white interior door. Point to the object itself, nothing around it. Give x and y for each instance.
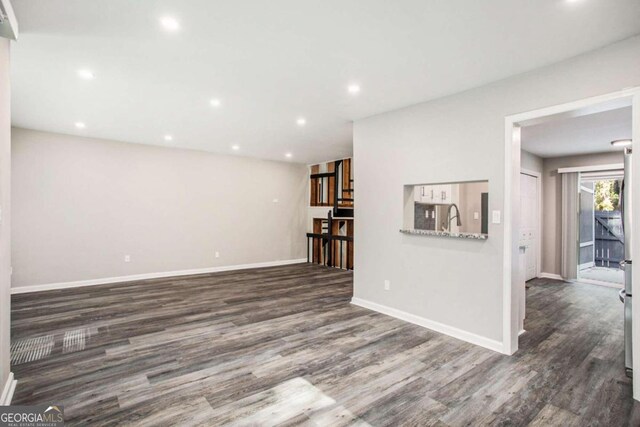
(529, 222)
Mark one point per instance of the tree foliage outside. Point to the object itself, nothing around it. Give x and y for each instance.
(607, 195)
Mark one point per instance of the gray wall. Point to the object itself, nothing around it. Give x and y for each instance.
(82, 204)
(5, 205)
(457, 283)
(530, 161)
(470, 201)
(552, 203)
(552, 197)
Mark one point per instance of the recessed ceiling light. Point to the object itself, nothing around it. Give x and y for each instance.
(80, 125)
(168, 138)
(288, 155)
(301, 121)
(169, 23)
(215, 102)
(621, 143)
(86, 74)
(235, 147)
(353, 88)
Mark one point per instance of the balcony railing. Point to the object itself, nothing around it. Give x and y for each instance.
(330, 250)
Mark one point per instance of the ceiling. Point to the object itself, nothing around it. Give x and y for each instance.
(567, 136)
(273, 62)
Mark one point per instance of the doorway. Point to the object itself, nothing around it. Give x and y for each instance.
(530, 221)
(600, 230)
(514, 269)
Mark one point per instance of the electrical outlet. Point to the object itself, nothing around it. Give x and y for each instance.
(127, 258)
(217, 254)
(387, 285)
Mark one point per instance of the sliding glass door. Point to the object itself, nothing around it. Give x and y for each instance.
(587, 254)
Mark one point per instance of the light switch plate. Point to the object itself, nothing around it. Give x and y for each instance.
(476, 215)
(495, 217)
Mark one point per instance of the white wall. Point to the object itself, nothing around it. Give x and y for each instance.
(82, 204)
(5, 206)
(457, 283)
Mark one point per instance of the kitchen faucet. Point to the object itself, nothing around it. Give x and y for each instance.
(456, 216)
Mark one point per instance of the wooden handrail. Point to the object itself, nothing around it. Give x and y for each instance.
(327, 236)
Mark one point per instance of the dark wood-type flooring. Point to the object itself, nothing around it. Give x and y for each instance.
(283, 346)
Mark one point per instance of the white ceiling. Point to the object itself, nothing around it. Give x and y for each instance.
(271, 62)
(566, 136)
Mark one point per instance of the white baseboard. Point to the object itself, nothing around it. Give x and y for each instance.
(8, 390)
(135, 277)
(430, 324)
(551, 276)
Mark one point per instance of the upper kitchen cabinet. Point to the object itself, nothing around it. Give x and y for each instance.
(441, 194)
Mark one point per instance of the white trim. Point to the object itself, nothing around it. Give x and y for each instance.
(10, 29)
(574, 105)
(510, 306)
(9, 389)
(635, 242)
(522, 331)
(551, 276)
(603, 175)
(530, 172)
(586, 264)
(592, 242)
(599, 168)
(136, 277)
(586, 189)
(430, 324)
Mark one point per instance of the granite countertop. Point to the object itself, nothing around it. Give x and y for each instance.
(470, 236)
